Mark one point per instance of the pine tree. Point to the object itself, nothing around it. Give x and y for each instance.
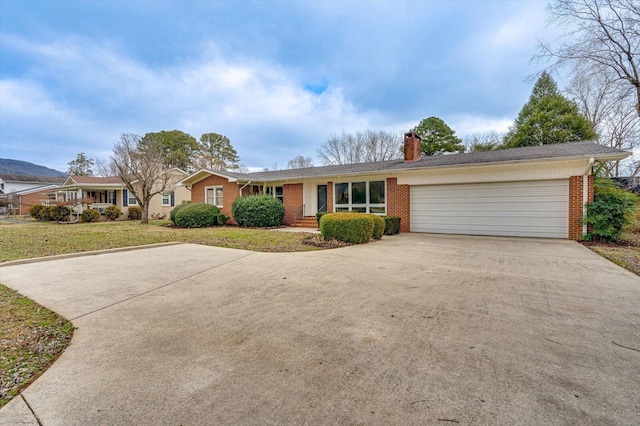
(437, 137)
(548, 117)
(217, 153)
(81, 166)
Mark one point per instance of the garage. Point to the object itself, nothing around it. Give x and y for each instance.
(521, 209)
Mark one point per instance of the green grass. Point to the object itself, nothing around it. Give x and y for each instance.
(37, 239)
(31, 338)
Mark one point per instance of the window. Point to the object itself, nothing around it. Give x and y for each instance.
(276, 192)
(213, 195)
(132, 199)
(111, 197)
(166, 198)
(361, 197)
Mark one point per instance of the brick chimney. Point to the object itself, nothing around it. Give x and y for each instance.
(412, 147)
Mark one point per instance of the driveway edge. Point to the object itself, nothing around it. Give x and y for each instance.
(86, 253)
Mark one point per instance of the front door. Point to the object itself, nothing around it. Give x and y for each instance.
(322, 198)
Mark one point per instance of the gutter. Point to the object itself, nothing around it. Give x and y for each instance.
(585, 191)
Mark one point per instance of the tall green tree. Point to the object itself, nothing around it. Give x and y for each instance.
(81, 166)
(216, 153)
(548, 117)
(437, 137)
(179, 147)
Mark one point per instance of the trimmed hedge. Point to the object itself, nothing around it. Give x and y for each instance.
(60, 213)
(112, 212)
(391, 225)
(176, 209)
(355, 228)
(609, 211)
(222, 219)
(44, 213)
(260, 211)
(34, 211)
(135, 213)
(197, 215)
(319, 215)
(378, 226)
(90, 215)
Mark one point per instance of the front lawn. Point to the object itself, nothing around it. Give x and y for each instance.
(624, 252)
(31, 338)
(37, 239)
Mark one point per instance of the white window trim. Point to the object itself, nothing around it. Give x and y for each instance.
(368, 204)
(168, 195)
(216, 201)
(131, 197)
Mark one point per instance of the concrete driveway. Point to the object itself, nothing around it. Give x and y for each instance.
(412, 329)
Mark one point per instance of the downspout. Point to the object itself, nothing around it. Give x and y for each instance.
(243, 187)
(585, 191)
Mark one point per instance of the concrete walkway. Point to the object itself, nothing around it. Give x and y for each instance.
(412, 329)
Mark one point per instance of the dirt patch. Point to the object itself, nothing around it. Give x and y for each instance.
(317, 241)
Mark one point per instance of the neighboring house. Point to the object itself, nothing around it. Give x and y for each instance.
(630, 183)
(530, 191)
(15, 183)
(100, 192)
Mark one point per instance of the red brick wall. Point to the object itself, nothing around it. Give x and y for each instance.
(398, 203)
(34, 199)
(330, 196)
(292, 201)
(229, 193)
(576, 205)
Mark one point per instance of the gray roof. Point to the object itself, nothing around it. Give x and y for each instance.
(32, 179)
(585, 149)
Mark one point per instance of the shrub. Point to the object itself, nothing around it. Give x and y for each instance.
(319, 215)
(378, 226)
(44, 213)
(391, 225)
(34, 211)
(60, 213)
(355, 228)
(222, 219)
(90, 215)
(197, 215)
(609, 211)
(135, 213)
(176, 209)
(257, 210)
(112, 212)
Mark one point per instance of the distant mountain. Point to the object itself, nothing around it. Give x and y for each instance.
(17, 167)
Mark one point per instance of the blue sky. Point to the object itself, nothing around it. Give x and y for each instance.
(277, 78)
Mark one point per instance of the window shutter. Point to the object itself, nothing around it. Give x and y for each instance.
(173, 199)
(125, 198)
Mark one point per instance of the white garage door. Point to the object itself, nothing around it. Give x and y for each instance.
(524, 209)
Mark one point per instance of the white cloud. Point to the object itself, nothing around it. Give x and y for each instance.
(467, 124)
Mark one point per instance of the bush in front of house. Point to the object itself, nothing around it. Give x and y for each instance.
(378, 226)
(261, 211)
(44, 214)
(197, 215)
(391, 225)
(176, 209)
(222, 219)
(34, 211)
(355, 228)
(319, 215)
(112, 212)
(60, 213)
(90, 215)
(135, 213)
(609, 212)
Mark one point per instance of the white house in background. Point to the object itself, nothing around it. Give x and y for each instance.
(10, 183)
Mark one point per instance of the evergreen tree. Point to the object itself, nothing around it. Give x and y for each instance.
(81, 166)
(179, 147)
(548, 117)
(217, 153)
(437, 137)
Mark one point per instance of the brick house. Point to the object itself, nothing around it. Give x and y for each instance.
(537, 191)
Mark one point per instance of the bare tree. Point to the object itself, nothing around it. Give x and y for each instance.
(142, 168)
(106, 168)
(483, 141)
(611, 108)
(601, 36)
(361, 147)
(300, 162)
